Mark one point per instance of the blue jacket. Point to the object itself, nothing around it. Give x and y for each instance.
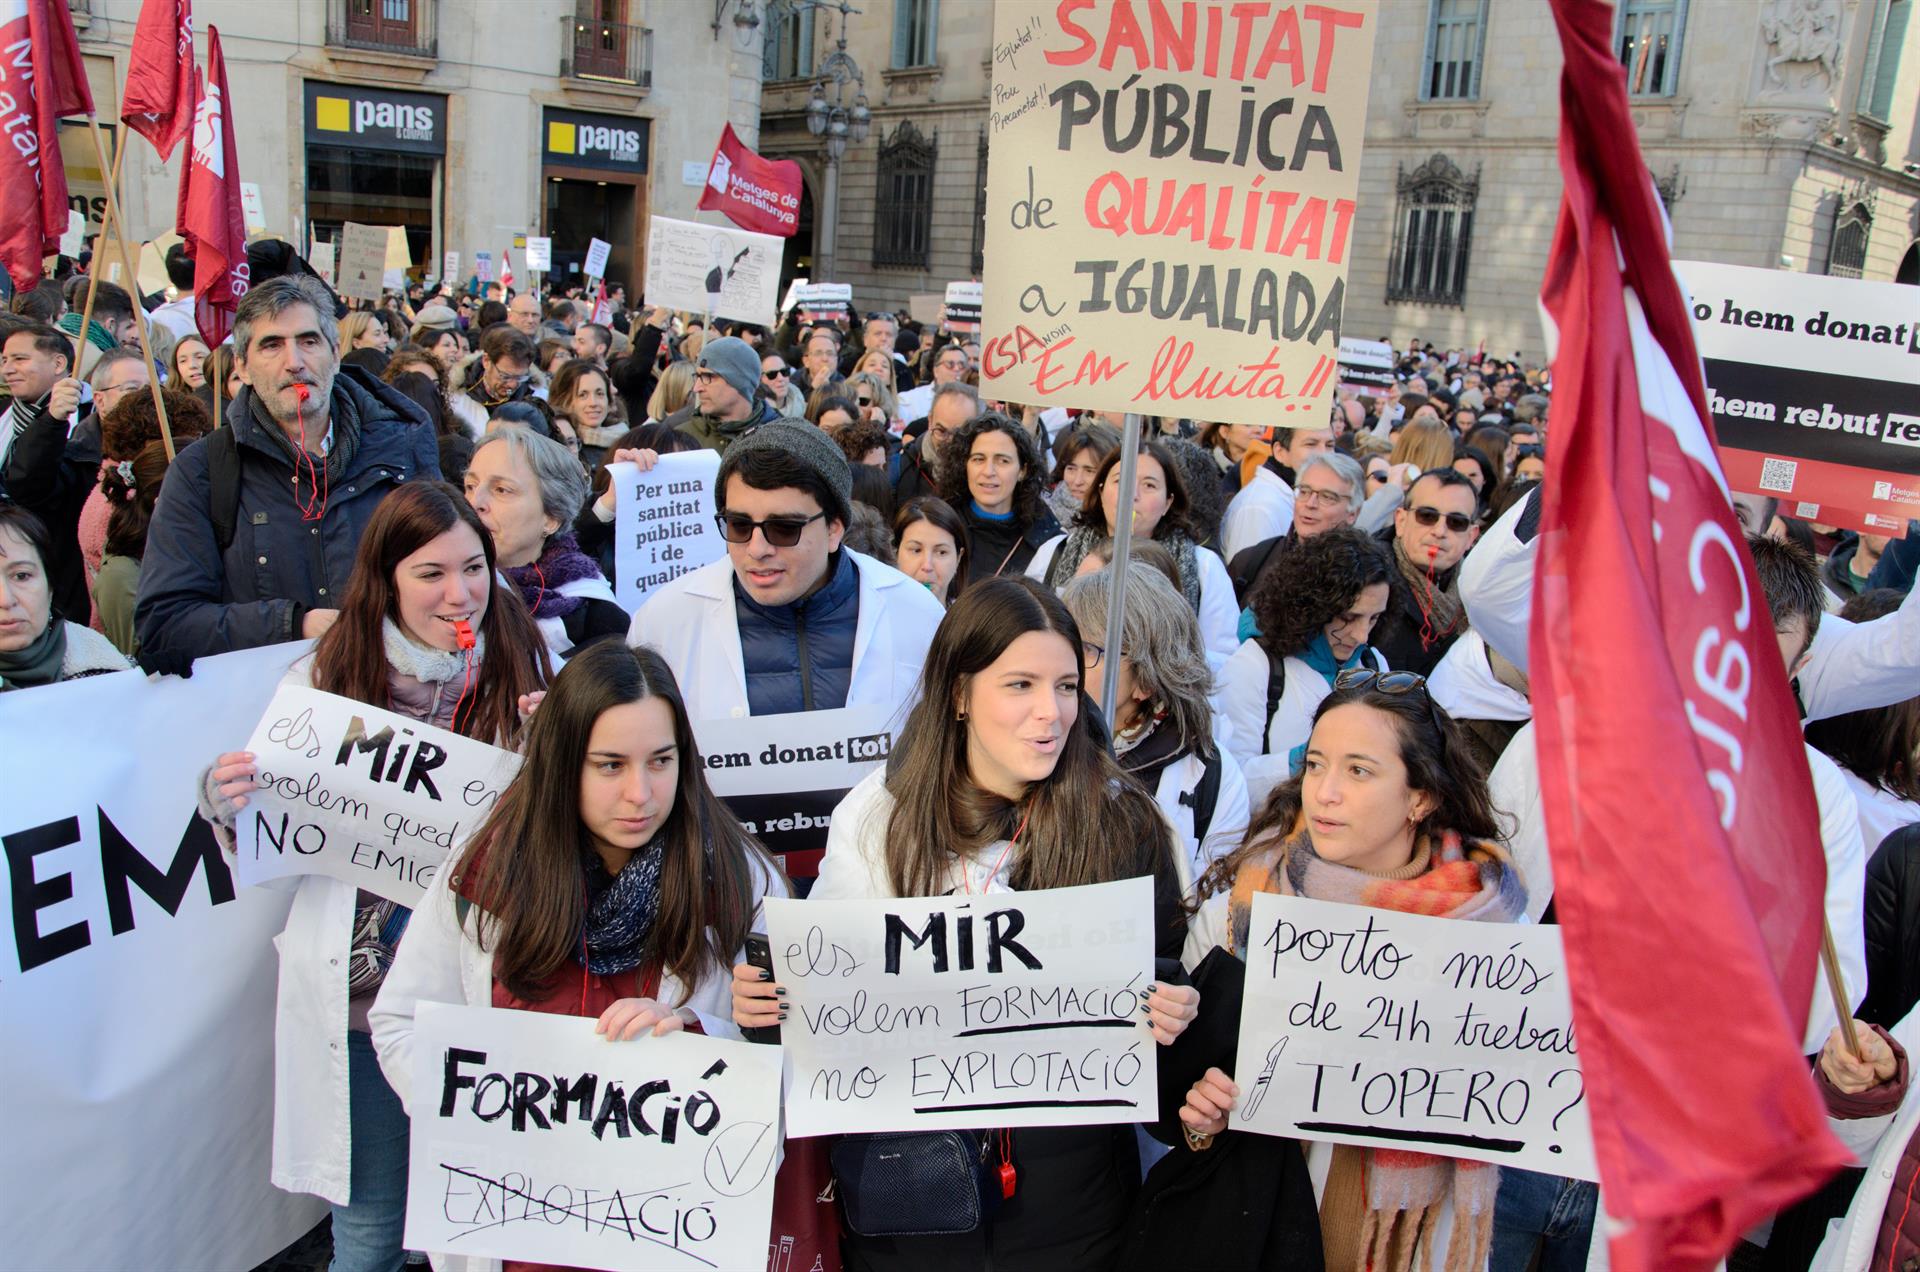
(799, 657)
(196, 600)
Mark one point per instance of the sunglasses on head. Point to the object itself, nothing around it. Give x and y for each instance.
(1458, 522)
(1384, 681)
(780, 532)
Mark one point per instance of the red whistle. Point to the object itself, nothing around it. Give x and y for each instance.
(301, 391)
(463, 634)
(1007, 1180)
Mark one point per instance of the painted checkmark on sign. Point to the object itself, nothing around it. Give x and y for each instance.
(740, 1157)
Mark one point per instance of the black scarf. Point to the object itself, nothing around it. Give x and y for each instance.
(621, 908)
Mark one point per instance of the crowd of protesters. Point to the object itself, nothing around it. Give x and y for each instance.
(1322, 691)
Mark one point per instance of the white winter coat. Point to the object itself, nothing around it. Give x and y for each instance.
(1263, 742)
(1219, 612)
(692, 622)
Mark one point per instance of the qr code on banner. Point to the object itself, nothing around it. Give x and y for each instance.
(1777, 475)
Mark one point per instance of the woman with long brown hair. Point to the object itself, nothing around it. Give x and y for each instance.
(999, 783)
(426, 629)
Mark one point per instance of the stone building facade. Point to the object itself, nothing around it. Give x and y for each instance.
(467, 121)
(1782, 133)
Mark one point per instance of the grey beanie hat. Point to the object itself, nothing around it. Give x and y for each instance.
(803, 441)
(734, 361)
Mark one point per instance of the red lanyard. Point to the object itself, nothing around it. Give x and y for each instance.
(966, 876)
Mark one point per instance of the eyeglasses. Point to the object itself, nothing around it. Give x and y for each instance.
(1314, 498)
(1458, 522)
(120, 388)
(774, 373)
(780, 532)
(507, 377)
(1384, 681)
(1096, 654)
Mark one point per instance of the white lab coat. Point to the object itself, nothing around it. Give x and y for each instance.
(1262, 509)
(1231, 810)
(439, 962)
(1879, 1142)
(1881, 812)
(1262, 742)
(1462, 685)
(692, 622)
(1219, 612)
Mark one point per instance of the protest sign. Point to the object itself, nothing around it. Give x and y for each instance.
(1841, 518)
(125, 925)
(1814, 385)
(597, 252)
(713, 269)
(253, 208)
(782, 775)
(1170, 208)
(449, 267)
(363, 261)
(321, 258)
(926, 308)
(536, 1139)
(362, 795)
(483, 266)
(1366, 366)
(944, 1013)
(962, 310)
(539, 252)
(823, 301)
(663, 523)
(1404, 1031)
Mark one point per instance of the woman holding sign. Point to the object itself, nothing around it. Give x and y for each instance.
(996, 488)
(1389, 811)
(428, 630)
(997, 783)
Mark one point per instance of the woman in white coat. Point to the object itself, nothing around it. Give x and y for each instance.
(1162, 511)
(1161, 721)
(609, 881)
(1316, 609)
(429, 631)
(1873, 1112)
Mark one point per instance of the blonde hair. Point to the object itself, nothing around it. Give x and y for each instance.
(1425, 444)
(672, 390)
(356, 325)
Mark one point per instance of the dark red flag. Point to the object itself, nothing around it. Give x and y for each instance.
(1687, 861)
(161, 84)
(762, 195)
(41, 79)
(210, 217)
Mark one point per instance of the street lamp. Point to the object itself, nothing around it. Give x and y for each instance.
(838, 122)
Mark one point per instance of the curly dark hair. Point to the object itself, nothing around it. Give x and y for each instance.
(1312, 584)
(1179, 514)
(1027, 495)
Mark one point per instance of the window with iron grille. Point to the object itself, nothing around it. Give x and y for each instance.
(980, 209)
(914, 25)
(1647, 36)
(787, 52)
(1456, 40)
(1847, 251)
(903, 201)
(1432, 234)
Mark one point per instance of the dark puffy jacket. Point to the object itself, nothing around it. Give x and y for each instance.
(799, 657)
(51, 474)
(196, 600)
(1892, 915)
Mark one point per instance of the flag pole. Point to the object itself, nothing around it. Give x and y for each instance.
(1837, 987)
(99, 251)
(1117, 567)
(133, 286)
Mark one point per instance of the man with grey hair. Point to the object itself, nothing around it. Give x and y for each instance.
(1328, 491)
(954, 403)
(258, 523)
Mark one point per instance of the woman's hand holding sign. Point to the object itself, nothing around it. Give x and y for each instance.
(758, 1003)
(1170, 1009)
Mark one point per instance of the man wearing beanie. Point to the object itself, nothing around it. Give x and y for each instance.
(790, 620)
(725, 405)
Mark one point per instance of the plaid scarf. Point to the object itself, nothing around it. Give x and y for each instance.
(1435, 594)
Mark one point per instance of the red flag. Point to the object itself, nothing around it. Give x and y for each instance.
(41, 79)
(210, 216)
(762, 195)
(1692, 919)
(506, 268)
(161, 84)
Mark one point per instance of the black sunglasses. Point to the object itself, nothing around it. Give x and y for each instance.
(775, 373)
(780, 532)
(1384, 681)
(1458, 522)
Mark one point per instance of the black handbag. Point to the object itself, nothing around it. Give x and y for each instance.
(918, 1184)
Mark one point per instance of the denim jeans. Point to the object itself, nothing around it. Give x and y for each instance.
(367, 1231)
(1546, 1212)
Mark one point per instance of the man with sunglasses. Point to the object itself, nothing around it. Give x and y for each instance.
(502, 373)
(791, 620)
(1429, 537)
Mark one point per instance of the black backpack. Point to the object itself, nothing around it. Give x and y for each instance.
(1276, 688)
(223, 484)
(1206, 794)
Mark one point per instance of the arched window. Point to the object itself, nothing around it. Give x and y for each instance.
(1432, 233)
(787, 52)
(1847, 251)
(903, 201)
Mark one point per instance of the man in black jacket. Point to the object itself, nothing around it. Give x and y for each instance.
(1429, 536)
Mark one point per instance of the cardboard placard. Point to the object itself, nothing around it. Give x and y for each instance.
(363, 261)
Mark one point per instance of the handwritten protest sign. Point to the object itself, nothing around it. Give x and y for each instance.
(483, 266)
(536, 1139)
(1008, 1009)
(782, 775)
(963, 304)
(362, 795)
(663, 523)
(539, 252)
(363, 261)
(1372, 1027)
(1170, 204)
(1814, 385)
(321, 258)
(449, 267)
(716, 269)
(597, 252)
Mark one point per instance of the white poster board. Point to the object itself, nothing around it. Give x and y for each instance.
(321, 258)
(539, 252)
(137, 982)
(536, 1139)
(363, 261)
(716, 269)
(1366, 366)
(663, 523)
(955, 1012)
(253, 208)
(366, 796)
(961, 313)
(1404, 1031)
(483, 266)
(449, 267)
(597, 253)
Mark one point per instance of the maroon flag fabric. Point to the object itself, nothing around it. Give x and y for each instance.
(161, 84)
(41, 79)
(210, 217)
(1689, 886)
(762, 195)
